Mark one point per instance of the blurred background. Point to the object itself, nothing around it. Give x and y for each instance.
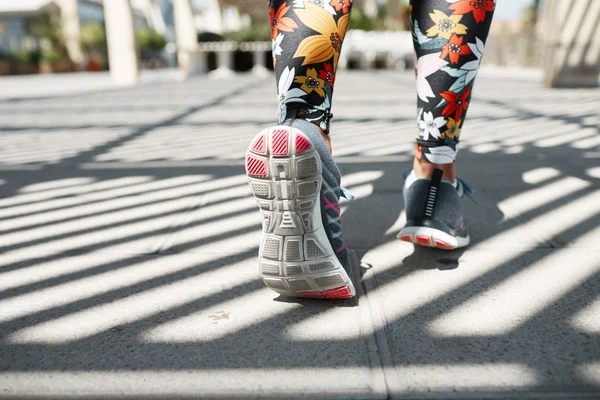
(201, 36)
(129, 235)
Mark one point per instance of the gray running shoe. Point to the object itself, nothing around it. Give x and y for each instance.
(434, 213)
(297, 186)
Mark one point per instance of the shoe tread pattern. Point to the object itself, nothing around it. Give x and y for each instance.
(284, 172)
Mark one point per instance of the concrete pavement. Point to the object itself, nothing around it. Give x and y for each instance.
(128, 241)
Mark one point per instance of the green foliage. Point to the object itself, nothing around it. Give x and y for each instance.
(150, 40)
(49, 27)
(51, 56)
(360, 21)
(209, 37)
(93, 37)
(31, 57)
(257, 32)
(20, 55)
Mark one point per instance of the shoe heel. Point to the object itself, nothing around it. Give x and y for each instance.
(295, 257)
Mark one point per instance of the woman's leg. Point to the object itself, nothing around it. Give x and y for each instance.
(291, 171)
(307, 40)
(449, 38)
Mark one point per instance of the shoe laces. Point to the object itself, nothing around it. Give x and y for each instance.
(345, 193)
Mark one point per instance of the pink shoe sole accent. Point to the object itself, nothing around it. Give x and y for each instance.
(423, 240)
(443, 245)
(339, 293)
(279, 142)
(302, 144)
(256, 167)
(259, 145)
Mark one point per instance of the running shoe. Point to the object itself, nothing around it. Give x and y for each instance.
(296, 184)
(434, 212)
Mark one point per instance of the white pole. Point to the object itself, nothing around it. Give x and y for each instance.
(260, 62)
(224, 61)
(187, 37)
(122, 54)
(69, 13)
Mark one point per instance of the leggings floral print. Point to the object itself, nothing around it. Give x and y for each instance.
(307, 40)
(449, 38)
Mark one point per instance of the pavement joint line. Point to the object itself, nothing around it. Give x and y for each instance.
(378, 379)
(372, 316)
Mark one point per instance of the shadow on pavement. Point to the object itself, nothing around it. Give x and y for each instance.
(137, 254)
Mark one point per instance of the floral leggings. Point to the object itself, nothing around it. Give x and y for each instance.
(449, 38)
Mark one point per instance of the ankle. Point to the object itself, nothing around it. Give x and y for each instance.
(424, 169)
(325, 137)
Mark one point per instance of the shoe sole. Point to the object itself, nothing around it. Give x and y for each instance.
(295, 257)
(429, 237)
